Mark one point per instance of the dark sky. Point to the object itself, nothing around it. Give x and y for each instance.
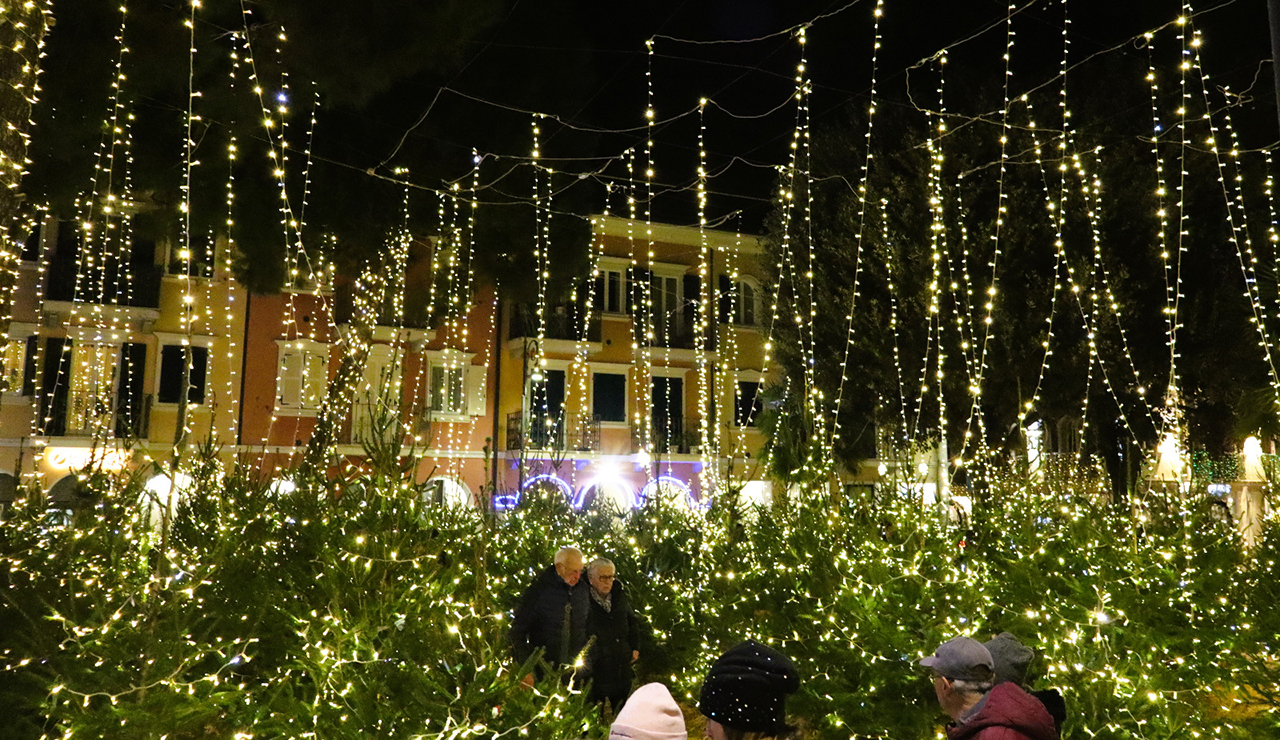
(586, 62)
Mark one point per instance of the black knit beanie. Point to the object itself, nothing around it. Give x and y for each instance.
(747, 689)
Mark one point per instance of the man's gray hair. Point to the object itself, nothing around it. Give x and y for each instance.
(599, 563)
(564, 553)
(965, 686)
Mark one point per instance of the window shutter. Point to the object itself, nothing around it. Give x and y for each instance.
(724, 300)
(317, 379)
(477, 389)
(692, 299)
(289, 382)
(29, 367)
(747, 295)
(638, 278)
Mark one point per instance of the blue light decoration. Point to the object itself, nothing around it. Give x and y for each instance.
(505, 501)
(669, 484)
(508, 501)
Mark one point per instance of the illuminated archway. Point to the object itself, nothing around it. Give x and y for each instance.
(669, 488)
(161, 498)
(756, 494)
(607, 491)
(545, 482)
(449, 492)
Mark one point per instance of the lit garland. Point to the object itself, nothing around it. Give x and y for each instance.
(1150, 630)
(1237, 215)
(975, 409)
(864, 178)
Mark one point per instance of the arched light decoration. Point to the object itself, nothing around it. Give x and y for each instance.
(1252, 463)
(161, 498)
(670, 488)
(449, 492)
(607, 490)
(756, 494)
(547, 480)
(959, 509)
(1169, 466)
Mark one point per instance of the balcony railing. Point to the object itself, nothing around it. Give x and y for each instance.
(668, 437)
(569, 432)
(562, 322)
(130, 419)
(682, 336)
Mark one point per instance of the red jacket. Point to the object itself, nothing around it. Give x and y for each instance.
(1008, 713)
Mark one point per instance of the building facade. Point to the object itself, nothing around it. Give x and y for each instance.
(645, 380)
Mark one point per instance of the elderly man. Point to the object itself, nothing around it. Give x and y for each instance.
(964, 680)
(553, 613)
(616, 631)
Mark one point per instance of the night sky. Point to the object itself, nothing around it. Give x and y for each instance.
(587, 62)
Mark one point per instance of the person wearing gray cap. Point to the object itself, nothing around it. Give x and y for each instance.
(964, 680)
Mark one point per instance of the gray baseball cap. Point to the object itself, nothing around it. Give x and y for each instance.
(961, 657)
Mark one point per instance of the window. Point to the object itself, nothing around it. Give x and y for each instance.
(610, 293)
(546, 409)
(31, 245)
(303, 377)
(547, 396)
(667, 409)
(174, 360)
(376, 401)
(92, 388)
(667, 314)
(747, 403)
(448, 388)
(739, 301)
(19, 376)
(609, 396)
(131, 415)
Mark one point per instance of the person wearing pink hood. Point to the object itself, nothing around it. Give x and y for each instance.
(964, 681)
(649, 714)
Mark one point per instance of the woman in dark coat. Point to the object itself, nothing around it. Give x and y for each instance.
(615, 631)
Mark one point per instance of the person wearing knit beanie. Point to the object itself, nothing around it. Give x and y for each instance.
(1010, 658)
(649, 714)
(745, 693)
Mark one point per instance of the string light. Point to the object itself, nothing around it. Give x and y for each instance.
(864, 178)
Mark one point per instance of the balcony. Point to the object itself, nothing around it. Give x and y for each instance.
(680, 335)
(569, 432)
(669, 437)
(130, 418)
(135, 286)
(563, 322)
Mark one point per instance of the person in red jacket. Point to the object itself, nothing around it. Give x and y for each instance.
(964, 681)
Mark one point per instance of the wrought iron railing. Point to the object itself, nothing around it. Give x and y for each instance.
(568, 432)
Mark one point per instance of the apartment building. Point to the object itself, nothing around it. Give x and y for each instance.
(645, 380)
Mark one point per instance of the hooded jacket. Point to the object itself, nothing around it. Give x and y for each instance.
(549, 612)
(1006, 713)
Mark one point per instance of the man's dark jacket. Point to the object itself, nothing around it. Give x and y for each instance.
(549, 612)
(616, 633)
